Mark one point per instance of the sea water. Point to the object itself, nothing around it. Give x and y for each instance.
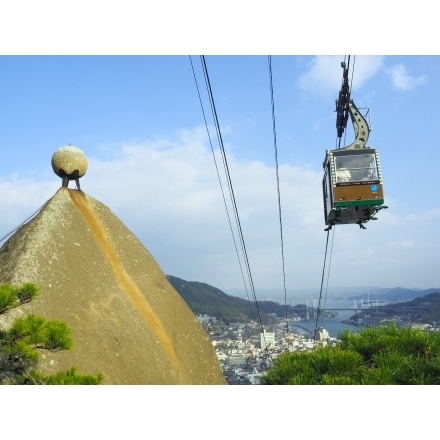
(344, 308)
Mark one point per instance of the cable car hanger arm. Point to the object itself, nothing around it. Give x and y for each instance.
(360, 126)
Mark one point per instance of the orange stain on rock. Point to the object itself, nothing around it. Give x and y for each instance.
(124, 279)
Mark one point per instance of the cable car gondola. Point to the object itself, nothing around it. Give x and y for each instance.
(352, 182)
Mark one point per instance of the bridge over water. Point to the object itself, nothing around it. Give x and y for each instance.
(367, 308)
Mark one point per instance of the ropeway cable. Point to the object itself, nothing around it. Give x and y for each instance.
(278, 187)
(322, 284)
(231, 191)
(24, 222)
(221, 188)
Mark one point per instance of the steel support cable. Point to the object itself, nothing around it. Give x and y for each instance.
(342, 107)
(338, 141)
(322, 284)
(278, 185)
(222, 150)
(352, 71)
(220, 182)
(228, 176)
(333, 236)
(24, 222)
(349, 88)
(328, 275)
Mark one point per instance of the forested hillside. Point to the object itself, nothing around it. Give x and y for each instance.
(205, 299)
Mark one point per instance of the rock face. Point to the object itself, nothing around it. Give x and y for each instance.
(128, 323)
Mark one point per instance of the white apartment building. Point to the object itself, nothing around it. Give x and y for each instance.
(267, 339)
(321, 334)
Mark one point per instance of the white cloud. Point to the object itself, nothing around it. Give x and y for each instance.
(424, 216)
(402, 80)
(20, 200)
(364, 67)
(325, 73)
(167, 193)
(401, 244)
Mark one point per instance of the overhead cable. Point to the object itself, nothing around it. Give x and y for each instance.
(278, 185)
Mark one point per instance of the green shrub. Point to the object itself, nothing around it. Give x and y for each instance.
(384, 355)
(7, 297)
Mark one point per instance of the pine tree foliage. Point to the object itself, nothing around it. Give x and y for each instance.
(14, 296)
(19, 344)
(7, 297)
(70, 377)
(40, 333)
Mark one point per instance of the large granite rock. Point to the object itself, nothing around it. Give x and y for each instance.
(127, 321)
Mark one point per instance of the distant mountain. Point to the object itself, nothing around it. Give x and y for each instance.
(424, 309)
(341, 293)
(205, 299)
(394, 294)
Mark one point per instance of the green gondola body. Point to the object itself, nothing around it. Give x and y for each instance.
(352, 186)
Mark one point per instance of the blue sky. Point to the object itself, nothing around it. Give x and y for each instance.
(140, 124)
(139, 121)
